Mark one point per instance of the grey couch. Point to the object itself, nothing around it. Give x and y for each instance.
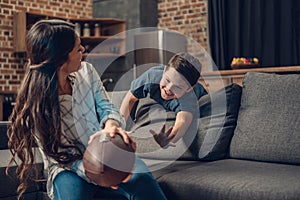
(245, 145)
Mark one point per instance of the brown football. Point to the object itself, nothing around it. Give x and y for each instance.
(108, 161)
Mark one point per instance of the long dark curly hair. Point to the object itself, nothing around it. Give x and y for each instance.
(36, 115)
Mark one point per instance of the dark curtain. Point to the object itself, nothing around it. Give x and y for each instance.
(266, 29)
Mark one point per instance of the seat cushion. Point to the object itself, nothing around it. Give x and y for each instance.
(233, 179)
(269, 119)
(10, 183)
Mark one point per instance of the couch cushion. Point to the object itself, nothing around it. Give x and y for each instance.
(3, 135)
(10, 183)
(268, 127)
(218, 117)
(116, 97)
(232, 179)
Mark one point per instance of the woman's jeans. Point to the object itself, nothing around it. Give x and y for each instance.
(141, 186)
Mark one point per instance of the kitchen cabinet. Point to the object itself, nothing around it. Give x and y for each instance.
(108, 28)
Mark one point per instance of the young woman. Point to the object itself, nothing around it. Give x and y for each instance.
(61, 103)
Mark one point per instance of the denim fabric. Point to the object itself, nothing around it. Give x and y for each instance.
(141, 186)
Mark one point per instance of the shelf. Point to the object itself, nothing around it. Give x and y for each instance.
(105, 21)
(279, 69)
(109, 27)
(103, 55)
(104, 43)
(214, 80)
(93, 39)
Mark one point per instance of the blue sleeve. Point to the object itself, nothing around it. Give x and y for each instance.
(104, 108)
(175, 106)
(140, 87)
(199, 90)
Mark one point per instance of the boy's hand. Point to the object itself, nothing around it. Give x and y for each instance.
(163, 138)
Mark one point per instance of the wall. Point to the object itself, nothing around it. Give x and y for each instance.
(188, 17)
(12, 64)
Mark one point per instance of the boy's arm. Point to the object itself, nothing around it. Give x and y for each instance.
(182, 123)
(127, 104)
(166, 138)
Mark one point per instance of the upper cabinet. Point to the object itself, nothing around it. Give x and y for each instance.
(101, 37)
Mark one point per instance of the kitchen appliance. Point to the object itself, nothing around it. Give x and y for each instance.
(156, 48)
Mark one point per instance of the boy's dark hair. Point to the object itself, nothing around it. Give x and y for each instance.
(187, 65)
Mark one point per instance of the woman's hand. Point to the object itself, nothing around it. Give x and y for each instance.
(163, 138)
(111, 128)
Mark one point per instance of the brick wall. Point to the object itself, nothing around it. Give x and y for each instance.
(12, 64)
(188, 17)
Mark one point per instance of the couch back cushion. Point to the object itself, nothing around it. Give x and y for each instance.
(116, 97)
(268, 127)
(218, 118)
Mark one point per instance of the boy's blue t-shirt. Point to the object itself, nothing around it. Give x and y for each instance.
(148, 84)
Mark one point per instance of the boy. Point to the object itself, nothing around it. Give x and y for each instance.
(173, 86)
